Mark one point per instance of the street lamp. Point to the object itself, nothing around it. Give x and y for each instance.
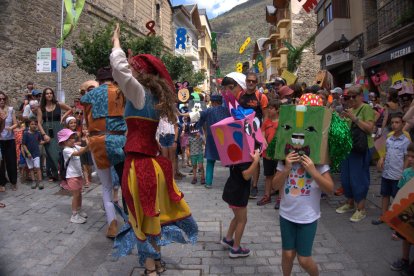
(344, 42)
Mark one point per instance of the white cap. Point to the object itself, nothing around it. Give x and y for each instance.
(239, 78)
(337, 90)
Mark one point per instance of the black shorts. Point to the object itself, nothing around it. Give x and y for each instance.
(269, 166)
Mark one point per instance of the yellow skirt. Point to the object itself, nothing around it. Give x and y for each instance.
(168, 210)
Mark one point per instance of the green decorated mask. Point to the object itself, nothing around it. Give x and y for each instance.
(303, 129)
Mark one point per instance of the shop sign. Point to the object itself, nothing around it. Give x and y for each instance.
(336, 57)
(397, 52)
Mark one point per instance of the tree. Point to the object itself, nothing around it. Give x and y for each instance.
(93, 52)
(182, 69)
(294, 57)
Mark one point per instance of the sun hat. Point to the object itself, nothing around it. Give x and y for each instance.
(70, 118)
(285, 91)
(36, 92)
(64, 134)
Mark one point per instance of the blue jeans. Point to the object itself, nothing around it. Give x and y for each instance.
(167, 140)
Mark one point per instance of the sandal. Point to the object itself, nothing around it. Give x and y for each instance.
(160, 266)
(2, 205)
(203, 181)
(149, 272)
(2, 189)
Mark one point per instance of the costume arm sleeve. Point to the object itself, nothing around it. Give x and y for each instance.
(129, 85)
(409, 117)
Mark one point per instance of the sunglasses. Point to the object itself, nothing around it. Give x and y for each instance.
(2, 99)
(78, 113)
(350, 97)
(251, 81)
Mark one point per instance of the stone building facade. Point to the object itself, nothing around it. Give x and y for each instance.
(26, 26)
(294, 26)
(304, 26)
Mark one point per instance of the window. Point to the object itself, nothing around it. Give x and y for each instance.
(328, 12)
(325, 13)
(321, 18)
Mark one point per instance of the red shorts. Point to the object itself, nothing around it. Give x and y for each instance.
(72, 184)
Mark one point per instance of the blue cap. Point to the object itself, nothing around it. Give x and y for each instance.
(36, 92)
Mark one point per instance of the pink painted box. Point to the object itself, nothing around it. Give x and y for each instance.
(236, 139)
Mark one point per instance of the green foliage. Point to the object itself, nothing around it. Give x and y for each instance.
(181, 69)
(146, 45)
(94, 49)
(294, 57)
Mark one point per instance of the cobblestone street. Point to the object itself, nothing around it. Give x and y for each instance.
(37, 238)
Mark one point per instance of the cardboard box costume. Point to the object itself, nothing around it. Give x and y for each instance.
(401, 213)
(238, 136)
(304, 129)
(312, 129)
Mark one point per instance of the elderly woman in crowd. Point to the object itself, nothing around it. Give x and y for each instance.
(355, 176)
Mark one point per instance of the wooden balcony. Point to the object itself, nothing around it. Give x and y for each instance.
(283, 18)
(396, 20)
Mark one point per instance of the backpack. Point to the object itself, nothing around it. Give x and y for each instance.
(63, 165)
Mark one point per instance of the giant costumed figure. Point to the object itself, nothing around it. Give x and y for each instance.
(158, 214)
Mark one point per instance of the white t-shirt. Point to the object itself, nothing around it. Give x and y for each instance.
(74, 168)
(301, 195)
(27, 112)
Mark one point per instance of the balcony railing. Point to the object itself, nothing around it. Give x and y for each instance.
(395, 15)
(372, 35)
(283, 17)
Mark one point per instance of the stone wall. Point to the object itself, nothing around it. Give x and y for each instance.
(303, 26)
(28, 25)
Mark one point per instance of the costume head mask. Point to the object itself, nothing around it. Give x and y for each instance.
(308, 128)
(238, 136)
(182, 91)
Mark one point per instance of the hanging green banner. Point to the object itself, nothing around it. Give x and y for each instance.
(73, 11)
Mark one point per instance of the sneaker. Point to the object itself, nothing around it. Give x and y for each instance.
(377, 221)
(345, 209)
(399, 265)
(194, 181)
(339, 191)
(277, 204)
(265, 200)
(253, 192)
(83, 214)
(358, 215)
(40, 185)
(226, 243)
(208, 186)
(77, 219)
(241, 252)
(34, 185)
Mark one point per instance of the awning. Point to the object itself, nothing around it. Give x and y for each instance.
(394, 53)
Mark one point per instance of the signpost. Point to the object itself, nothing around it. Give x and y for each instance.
(46, 61)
